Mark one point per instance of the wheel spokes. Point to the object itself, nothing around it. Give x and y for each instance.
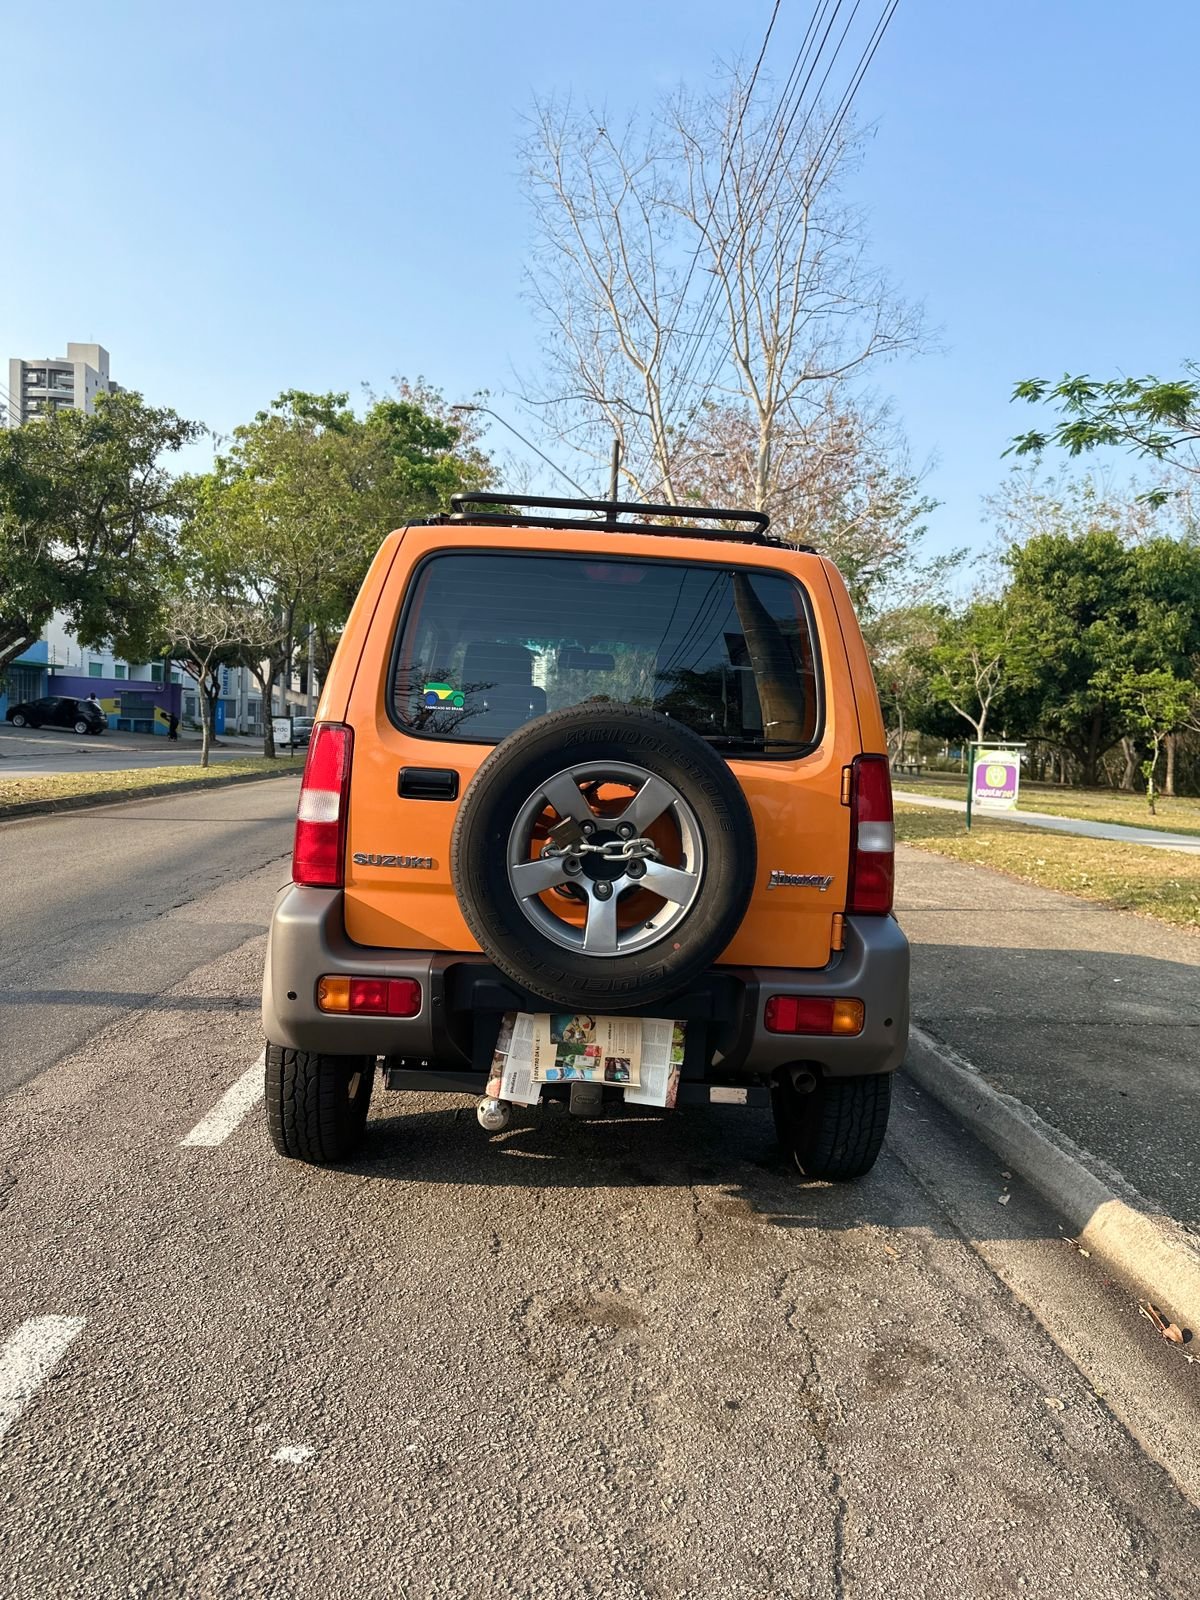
(648, 804)
(565, 796)
(536, 877)
(673, 883)
(600, 931)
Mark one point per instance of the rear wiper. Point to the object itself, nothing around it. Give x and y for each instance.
(755, 741)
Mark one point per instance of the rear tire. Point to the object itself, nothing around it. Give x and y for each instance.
(837, 1130)
(18, 720)
(317, 1104)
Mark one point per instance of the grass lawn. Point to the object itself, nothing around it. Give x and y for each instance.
(1096, 805)
(70, 789)
(1129, 877)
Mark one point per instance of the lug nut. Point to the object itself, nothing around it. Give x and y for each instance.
(625, 830)
(589, 829)
(603, 890)
(636, 869)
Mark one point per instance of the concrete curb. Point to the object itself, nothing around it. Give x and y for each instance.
(149, 791)
(1111, 1218)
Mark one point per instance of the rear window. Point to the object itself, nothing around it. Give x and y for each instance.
(488, 641)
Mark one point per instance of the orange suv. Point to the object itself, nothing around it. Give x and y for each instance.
(596, 809)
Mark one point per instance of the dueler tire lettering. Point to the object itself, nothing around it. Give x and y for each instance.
(572, 737)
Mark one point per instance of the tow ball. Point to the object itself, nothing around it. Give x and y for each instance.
(494, 1115)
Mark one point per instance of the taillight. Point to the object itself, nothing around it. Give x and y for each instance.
(379, 997)
(319, 853)
(872, 837)
(794, 1013)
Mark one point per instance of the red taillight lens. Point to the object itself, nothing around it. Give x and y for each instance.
(872, 837)
(385, 997)
(378, 997)
(319, 852)
(793, 1013)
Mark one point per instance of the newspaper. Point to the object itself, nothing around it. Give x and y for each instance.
(511, 1077)
(662, 1060)
(577, 1047)
(641, 1055)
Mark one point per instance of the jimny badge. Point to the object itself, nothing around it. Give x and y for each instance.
(798, 880)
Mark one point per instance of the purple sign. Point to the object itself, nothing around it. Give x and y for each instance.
(995, 781)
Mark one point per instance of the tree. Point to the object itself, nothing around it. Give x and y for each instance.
(1158, 704)
(706, 251)
(88, 514)
(969, 661)
(204, 634)
(295, 508)
(901, 644)
(843, 484)
(1155, 418)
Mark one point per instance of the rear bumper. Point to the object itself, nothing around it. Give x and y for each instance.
(463, 998)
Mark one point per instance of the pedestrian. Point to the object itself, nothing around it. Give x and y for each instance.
(92, 701)
(173, 727)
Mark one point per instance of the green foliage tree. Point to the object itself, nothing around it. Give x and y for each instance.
(969, 661)
(1156, 418)
(1158, 704)
(901, 643)
(1071, 601)
(88, 515)
(295, 508)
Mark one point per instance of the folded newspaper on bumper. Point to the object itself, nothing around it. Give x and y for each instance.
(640, 1055)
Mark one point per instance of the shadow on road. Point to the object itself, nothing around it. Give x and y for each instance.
(728, 1158)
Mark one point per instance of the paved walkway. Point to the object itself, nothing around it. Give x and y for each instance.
(1158, 838)
(1089, 1015)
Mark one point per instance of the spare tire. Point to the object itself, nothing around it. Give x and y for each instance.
(603, 856)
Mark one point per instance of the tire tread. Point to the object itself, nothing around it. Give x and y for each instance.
(309, 1117)
(839, 1132)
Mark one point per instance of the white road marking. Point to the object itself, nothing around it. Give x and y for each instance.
(232, 1108)
(294, 1454)
(27, 1360)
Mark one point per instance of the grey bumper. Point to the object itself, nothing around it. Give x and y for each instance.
(464, 996)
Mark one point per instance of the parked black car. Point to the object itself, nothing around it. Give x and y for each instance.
(58, 711)
(302, 728)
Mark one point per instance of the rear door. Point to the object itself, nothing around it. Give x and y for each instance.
(479, 640)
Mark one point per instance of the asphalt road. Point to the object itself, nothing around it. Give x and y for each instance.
(41, 752)
(101, 910)
(630, 1358)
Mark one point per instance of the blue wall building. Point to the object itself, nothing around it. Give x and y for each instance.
(26, 677)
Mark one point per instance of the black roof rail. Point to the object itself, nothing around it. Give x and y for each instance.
(750, 526)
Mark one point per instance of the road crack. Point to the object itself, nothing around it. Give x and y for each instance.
(821, 1391)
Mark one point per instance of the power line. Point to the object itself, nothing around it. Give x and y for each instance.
(729, 151)
(774, 139)
(776, 142)
(788, 231)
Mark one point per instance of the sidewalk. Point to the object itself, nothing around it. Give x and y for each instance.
(1089, 1016)
(1119, 831)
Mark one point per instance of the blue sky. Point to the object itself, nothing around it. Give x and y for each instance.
(237, 198)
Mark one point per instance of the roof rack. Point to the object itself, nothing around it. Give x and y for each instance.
(750, 527)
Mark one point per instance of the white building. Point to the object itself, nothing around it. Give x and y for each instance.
(57, 383)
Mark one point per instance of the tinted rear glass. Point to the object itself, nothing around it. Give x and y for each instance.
(489, 641)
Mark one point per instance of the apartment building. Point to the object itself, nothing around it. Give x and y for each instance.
(57, 383)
